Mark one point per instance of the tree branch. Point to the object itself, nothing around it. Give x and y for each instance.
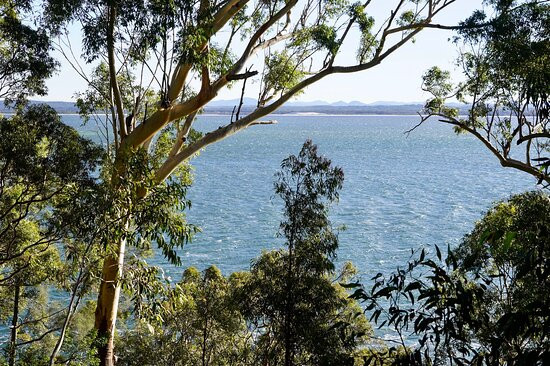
(220, 19)
(533, 136)
(244, 75)
(171, 163)
(112, 73)
(182, 134)
(504, 161)
(436, 26)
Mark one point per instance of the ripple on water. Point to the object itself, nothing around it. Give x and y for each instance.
(399, 192)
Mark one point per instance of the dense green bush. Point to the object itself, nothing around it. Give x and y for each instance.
(486, 304)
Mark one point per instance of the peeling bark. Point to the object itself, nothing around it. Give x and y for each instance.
(107, 305)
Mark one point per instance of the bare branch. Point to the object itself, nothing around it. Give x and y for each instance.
(242, 76)
(533, 136)
(113, 75)
(504, 160)
(436, 26)
(182, 135)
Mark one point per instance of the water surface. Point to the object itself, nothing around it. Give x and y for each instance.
(399, 192)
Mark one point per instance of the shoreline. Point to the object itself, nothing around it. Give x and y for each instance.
(286, 114)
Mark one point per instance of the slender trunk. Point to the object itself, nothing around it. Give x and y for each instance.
(107, 305)
(14, 320)
(204, 336)
(289, 308)
(72, 307)
(119, 107)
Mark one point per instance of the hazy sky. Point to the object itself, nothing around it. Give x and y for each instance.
(397, 78)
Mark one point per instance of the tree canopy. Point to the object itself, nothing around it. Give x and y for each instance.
(302, 317)
(485, 304)
(506, 68)
(156, 65)
(289, 308)
(166, 60)
(47, 167)
(181, 51)
(25, 60)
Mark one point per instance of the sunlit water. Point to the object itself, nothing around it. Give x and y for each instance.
(399, 192)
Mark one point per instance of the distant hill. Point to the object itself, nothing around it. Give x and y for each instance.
(308, 104)
(249, 104)
(231, 102)
(405, 109)
(315, 103)
(322, 107)
(389, 102)
(60, 107)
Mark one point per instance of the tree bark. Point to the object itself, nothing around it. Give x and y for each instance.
(289, 307)
(15, 318)
(107, 305)
(73, 304)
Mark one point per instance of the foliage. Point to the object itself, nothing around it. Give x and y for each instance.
(46, 169)
(199, 324)
(181, 54)
(283, 73)
(300, 315)
(25, 62)
(368, 41)
(158, 218)
(486, 304)
(60, 218)
(42, 162)
(507, 78)
(173, 47)
(288, 298)
(95, 100)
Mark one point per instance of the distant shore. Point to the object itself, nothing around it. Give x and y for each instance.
(291, 109)
(69, 108)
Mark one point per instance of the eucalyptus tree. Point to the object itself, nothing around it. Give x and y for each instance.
(506, 72)
(188, 51)
(301, 316)
(48, 192)
(198, 322)
(45, 168)
(25, 62)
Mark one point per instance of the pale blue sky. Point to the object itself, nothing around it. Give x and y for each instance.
(398, 78)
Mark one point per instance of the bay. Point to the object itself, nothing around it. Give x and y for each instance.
(400, 192)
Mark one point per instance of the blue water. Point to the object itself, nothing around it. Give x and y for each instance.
(399, 192)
